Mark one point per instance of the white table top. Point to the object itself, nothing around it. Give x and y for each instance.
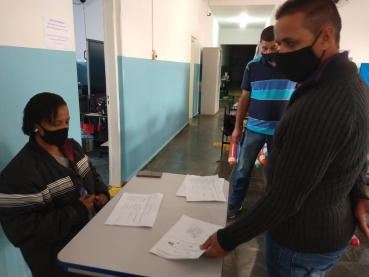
(106, 143)
(102, 250)
(95, 114)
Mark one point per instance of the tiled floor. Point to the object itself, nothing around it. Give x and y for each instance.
(192, 152)
(100, 163)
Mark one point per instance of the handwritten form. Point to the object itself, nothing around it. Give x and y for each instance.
(183, 240)
(136, 210)
(207, 188)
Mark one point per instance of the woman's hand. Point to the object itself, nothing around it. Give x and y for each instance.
(102, 200)
(88, 201)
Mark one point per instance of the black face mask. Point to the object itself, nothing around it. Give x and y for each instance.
(298, 65)
(56, 137)
(269, 57)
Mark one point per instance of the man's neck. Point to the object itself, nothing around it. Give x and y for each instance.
(328, 54)
(272, 63)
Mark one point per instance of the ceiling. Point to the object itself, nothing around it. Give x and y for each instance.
(226, 14)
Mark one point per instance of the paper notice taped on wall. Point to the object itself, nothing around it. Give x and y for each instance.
(57, 33)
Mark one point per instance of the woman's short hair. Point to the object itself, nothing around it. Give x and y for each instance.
(41, 107)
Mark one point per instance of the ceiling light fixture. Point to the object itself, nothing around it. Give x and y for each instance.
(244, 19)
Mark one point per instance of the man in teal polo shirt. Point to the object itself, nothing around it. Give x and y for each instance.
(265, 94)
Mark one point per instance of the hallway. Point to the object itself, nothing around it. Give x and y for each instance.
(192, 152)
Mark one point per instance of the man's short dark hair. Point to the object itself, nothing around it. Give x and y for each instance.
(318, 13)
(267, 34)
(42, 106)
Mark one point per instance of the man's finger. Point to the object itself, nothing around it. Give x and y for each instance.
(206, 244)
(211, 253)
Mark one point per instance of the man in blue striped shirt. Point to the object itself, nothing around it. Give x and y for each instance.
(265, 94)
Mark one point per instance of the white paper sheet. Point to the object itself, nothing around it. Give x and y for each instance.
(183, 240)
(206, 188)
(57, 33)
(136, 210)
(182, 189)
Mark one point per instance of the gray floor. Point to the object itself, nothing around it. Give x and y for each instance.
(192, 152)
(100, 163)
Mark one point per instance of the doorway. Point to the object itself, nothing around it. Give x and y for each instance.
(235, 59)
(95, 21)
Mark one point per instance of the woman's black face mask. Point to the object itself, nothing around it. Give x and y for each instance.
(56, 137)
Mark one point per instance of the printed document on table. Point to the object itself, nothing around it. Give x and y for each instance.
(136, 210)
(182, 189)
(183, 240)
(206, 188)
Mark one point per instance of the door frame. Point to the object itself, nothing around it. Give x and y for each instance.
(192, 77)
(112, 43)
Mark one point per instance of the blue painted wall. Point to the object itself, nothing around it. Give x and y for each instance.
(154, 108)
(25, 72)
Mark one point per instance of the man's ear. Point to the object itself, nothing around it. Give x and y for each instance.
(327, 38)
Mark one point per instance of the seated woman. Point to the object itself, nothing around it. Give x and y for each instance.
(50, 189)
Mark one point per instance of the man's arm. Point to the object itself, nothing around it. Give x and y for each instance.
(361, 200)
(243, 107)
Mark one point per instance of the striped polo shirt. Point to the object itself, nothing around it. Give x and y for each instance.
(269, 97)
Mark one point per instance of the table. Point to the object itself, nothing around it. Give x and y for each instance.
(104, 151)
(101, 250)
(106, 144)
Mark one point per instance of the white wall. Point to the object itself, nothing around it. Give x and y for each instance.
(79, 30)
(136, 29)
(167, 26)
(245, 2)
(239, 36)
(216, 33)
(271, 19)
(355, 30)
(90, 12)
(30, 32)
